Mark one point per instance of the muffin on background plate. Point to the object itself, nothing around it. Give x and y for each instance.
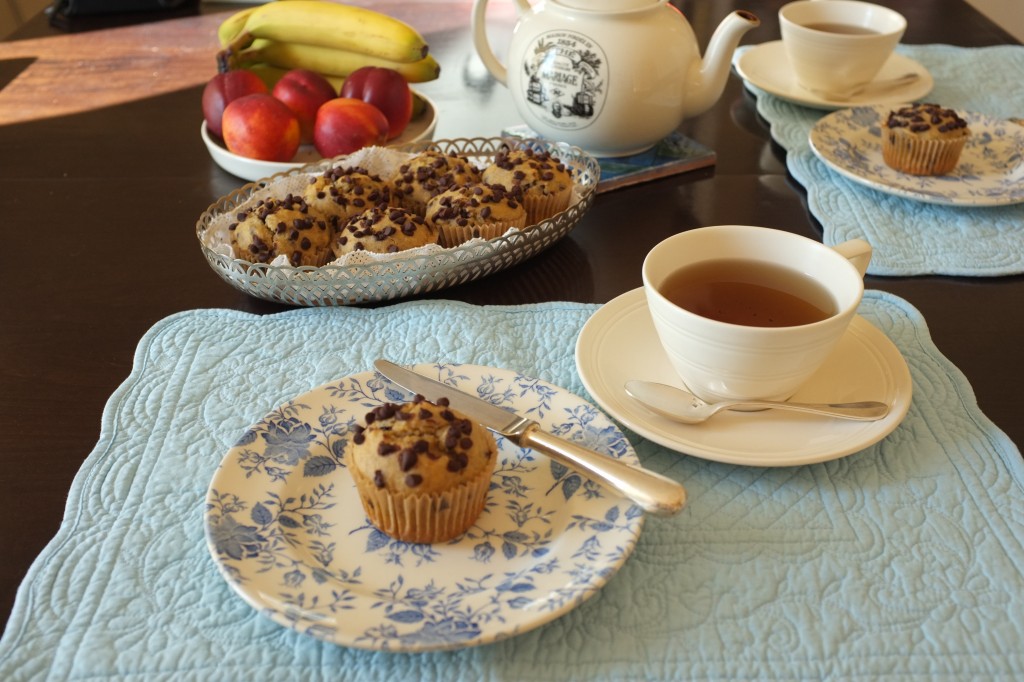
(422, 470)
(923, 139)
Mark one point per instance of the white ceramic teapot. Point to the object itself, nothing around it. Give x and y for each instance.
(612, 77)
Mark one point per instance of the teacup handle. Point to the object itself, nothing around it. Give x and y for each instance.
(857, 251)
(478, 23)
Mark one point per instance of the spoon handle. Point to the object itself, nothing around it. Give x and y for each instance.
(868, 410)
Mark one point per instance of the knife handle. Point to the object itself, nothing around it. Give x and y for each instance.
(653, 492)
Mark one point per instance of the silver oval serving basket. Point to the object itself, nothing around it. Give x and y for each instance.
(402, 274)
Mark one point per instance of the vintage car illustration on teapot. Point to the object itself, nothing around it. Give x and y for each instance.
(565, 76)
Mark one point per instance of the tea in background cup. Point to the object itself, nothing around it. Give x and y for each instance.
(748, 312)
(836, 47)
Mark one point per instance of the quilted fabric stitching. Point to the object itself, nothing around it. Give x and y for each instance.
(895, 562)
(910, 237)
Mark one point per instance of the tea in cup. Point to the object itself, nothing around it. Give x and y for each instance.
(837, 47)
(747, 312)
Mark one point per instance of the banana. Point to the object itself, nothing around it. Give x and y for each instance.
(333, 25)
(232, 27)
(331, 62)
(270, 74)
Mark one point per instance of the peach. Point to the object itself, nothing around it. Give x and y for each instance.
(223, 89)
(261, 127)
(304, 91)
(344, 125)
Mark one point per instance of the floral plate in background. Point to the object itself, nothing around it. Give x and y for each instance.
(990, 171)
(285, 526)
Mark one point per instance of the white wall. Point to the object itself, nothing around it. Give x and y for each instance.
(1007, 13)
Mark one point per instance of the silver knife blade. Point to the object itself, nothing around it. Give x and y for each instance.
(651, 491)
(495, 418)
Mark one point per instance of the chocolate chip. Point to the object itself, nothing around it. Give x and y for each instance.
(413, 480)
(385, 449)
(406, 459)
(378, 478)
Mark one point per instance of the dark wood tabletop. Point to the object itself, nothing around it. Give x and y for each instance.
(103, 176)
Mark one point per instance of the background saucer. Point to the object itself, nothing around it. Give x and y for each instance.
(619, 342)
(766, 67)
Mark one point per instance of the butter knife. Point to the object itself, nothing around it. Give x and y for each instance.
(651, 491)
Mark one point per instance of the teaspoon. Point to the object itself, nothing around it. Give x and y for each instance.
(878, 87)
(682, 406)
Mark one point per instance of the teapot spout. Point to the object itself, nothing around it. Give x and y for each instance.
(708, 81)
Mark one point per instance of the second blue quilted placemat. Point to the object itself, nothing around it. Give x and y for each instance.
(899, 562)
(911, 237)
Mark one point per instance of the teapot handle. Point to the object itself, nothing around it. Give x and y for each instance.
(483, 46)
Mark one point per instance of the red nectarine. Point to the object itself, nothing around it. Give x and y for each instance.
(261, 127)
(304, 91)
(223, 89)
(344, 125)
(385, 89)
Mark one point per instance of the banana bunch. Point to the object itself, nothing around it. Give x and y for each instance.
(330, 38)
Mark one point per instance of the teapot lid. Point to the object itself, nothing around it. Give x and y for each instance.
(607, 6)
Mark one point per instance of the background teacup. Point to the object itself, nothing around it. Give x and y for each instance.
(728, 277)
(836, 47)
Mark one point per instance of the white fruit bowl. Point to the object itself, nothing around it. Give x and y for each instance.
(420, 128)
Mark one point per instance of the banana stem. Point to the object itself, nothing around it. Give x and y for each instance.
(227, 58)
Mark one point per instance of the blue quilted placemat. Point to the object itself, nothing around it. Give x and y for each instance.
(912, 237)
(899, 562)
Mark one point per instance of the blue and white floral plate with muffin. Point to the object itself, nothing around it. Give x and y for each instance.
(285, 526)
(990, 171)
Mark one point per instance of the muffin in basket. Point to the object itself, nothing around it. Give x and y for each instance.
(282, 227)
(475, 210)
(545, 181)
(422, 470)
(428, 174)
(346, 192)
(383, 229)
(923, 139)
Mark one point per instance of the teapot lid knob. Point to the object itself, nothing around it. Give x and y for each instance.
(605, 6)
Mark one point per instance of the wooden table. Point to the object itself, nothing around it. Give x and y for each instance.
(104, 175)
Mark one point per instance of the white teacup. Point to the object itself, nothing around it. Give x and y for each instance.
(836, 47)
(735, 359)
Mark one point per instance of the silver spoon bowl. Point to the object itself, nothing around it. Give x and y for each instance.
(682, 406)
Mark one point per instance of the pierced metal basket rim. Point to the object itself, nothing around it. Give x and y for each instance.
(517, 245)
(243, 193)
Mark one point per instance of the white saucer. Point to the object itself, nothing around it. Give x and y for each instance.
(619, 342)
(766, 67)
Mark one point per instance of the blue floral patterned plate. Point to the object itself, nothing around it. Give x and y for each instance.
(990, 171)
(286, 529)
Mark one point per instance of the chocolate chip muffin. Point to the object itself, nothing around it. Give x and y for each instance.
(346, 192)
(475, 210)
(546, 182)
(428, 174)
(384, 229)
(923, 139)
(422, 470)
(282, 227)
